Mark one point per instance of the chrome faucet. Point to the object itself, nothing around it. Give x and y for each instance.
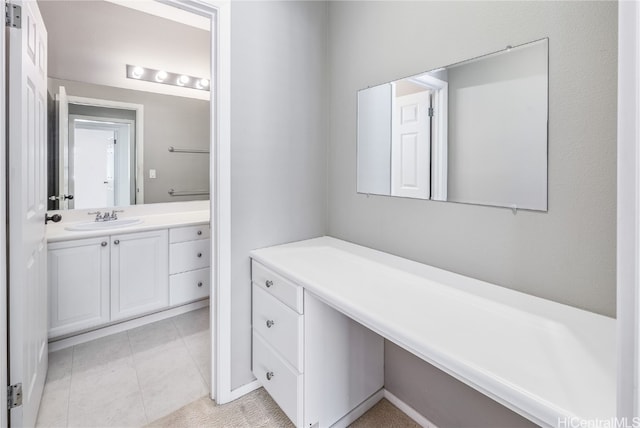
(106, 216)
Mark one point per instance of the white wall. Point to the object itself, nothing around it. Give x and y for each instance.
(567, 254)
(278, 144)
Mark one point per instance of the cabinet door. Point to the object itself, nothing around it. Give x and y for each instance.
(139, 273)
(78, 285)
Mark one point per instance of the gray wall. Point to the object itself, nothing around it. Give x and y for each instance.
(278, 142)
(168, 121)
(567, 254)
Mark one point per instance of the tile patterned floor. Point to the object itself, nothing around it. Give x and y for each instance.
(130, 378)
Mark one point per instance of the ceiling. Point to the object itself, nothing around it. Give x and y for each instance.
(92, 41)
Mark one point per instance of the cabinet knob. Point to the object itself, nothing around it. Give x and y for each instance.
(270, 323)
(117, 241)
(199, 283)
(268, 283)
(269, 375)
(103, 243)
(199, 232)
(199, 254)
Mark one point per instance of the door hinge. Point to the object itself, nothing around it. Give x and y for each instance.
(13, 15)
(14, 395)
(430, 111)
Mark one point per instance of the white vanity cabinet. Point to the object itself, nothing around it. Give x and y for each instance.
(96, 281)
(78, 284)
(139, 275)
(189, 261)
(316, 363)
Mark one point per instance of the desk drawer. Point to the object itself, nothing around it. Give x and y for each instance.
(189, 286)
(185, 256)
(284, 290)
(189, 233)
(283, 383)
(280, 326)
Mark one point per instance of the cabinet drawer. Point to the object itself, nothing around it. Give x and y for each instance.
(284, 290)
(189, 286)
(189, 233)
(279, 325)
(284, 384)
(185, 256)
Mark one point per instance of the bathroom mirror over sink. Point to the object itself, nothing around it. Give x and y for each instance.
(473, 132)
(117, 138)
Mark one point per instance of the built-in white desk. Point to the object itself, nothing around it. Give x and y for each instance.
(544, 360)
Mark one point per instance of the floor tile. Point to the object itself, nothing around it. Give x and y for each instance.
(100, 396)
(55, 402)
(193, 322)
(60, 363)
(169, 381)
(99, 352)
(153, 339)
(199, 347)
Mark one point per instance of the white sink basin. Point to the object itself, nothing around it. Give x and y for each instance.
(103, 225)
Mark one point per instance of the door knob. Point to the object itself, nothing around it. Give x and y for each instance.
(199, 232)
(54, 218)
(269, 375)
(270, 323)
(268, 283)
(199, 254)
(103, 243)
(199, 283)
(117, 241)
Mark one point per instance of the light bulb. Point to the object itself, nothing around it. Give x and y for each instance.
(204, 83)
(161, 75)
(183, 80)
(137, 72)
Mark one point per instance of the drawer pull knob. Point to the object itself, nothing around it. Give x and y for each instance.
(270, 323)
(269, 375)
(199, 232)
(268, 283)
(199, 283)
(117, 241)
(199, 254)
(103, 243)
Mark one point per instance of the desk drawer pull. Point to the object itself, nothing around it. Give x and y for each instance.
(268, 283)
(199, 255)
(199, 232)
(199, 283)
(270, 323)
(269, 375)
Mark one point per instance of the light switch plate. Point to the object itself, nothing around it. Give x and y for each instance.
(152, 173)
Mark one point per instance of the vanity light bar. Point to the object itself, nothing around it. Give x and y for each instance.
(165, 77)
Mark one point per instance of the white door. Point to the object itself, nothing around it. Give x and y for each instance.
(91, 166)
(63, 146)
(410, 146)
(27, 130)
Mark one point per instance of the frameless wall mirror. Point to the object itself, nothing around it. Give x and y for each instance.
(473, 132)
(115, 140)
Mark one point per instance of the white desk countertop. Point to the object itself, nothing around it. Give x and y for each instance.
(542, 359)
(57, 232)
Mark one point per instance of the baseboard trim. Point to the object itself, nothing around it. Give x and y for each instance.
(244, 390)
(66, 342)
(408, 410)
(360, 410)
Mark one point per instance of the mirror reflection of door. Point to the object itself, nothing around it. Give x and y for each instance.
(100, 162)
(410, 140)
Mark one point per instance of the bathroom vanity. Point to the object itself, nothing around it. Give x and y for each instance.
(322, 306)
(101, 277)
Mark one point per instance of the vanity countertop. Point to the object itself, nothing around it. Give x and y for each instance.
(544, 360)
(57, 232)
